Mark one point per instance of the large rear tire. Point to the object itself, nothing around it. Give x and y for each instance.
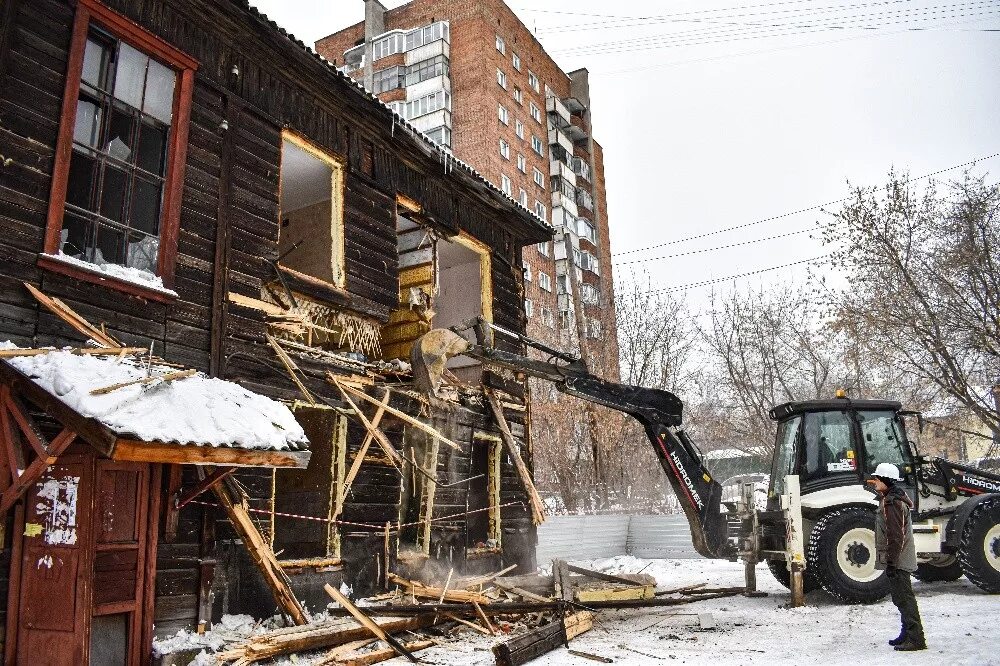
(779, 569)
(841, 555)
(980, 549)
(946, 570)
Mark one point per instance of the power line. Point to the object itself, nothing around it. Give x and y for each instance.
(795, 212)
(735, 34)
(705, 283)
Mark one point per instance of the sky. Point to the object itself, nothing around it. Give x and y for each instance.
(721, 113)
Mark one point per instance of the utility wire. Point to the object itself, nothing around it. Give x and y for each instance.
(795, 212)
(728, 278)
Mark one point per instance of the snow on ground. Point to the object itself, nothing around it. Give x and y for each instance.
(193, 410)
(959, 619)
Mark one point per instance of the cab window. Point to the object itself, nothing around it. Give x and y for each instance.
(884, 440)
(829, 450)
(784, 457)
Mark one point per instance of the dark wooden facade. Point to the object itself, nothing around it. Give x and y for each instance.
(253, 81)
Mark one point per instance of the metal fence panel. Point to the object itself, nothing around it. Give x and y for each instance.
(594, 537)
(660, 537)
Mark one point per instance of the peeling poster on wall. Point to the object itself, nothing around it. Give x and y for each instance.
(57, 508)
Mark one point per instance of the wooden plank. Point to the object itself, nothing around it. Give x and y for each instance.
(70, 316)
(367, 622)
(169, 377)
(261, 553)
(291, 368)
(359, 457)
(401, 415)
(205, 484)
(603, 576)
(537, 508)
(578, 623)
(617, 594)
(561, 579)
(12, 445)
(86, 351)
(524, 594)
(379, 656)
(187, 454)
(526, 647)
(26, 424)
(482, 618)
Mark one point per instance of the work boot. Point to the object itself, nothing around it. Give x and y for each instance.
(909, 645)
(898, 640)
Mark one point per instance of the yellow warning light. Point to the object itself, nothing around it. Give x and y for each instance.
(841, 393)
(850, 454)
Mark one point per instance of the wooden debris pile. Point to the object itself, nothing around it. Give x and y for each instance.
(528, 616)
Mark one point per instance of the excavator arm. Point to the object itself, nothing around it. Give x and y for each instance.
(659, 412)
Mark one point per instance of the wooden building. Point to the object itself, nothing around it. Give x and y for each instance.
(183, 175)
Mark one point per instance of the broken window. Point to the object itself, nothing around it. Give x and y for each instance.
(127, 122)
(314, 491)
(311, 235)
(464, 292)
(483, 498)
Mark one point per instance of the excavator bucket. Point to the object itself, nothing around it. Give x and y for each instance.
(430, 354)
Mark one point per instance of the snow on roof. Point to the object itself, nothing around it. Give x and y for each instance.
(196, 410)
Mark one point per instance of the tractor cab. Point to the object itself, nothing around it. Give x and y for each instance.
(834, 444)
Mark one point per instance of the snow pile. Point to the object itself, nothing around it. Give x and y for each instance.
(128, 274)
(229, 629)
(194, 410)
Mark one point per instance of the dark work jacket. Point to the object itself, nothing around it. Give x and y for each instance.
(894, 532)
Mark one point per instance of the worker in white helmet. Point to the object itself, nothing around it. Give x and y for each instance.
(895, 552)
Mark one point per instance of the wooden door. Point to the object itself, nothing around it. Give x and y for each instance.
(121, 495)
(54, 566)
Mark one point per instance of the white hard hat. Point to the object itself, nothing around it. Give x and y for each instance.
(887, 471)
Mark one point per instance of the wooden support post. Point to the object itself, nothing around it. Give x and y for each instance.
(537, 510)
(36, 469)
(172, 515)
(561, 578)
(367, 622)
(260, 551)
(11, 443)
(535, 643)
(359, 458)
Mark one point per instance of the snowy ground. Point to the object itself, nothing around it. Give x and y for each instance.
(960, 622)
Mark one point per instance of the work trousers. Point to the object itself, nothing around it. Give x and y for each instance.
(901, 589)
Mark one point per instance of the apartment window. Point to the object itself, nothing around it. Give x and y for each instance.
(505, 184)
(529, 308)
(545, 282)
(522, 164)
(519, 129)
(594, 329)
(536, 113)
(560, 184)
(543, 248)
(523, 198)
(533, 81)
(581, 167)
(504, 149)
(590, 294)
(440, 135)
(431, 33)
(547, 317)
(527, 272)
(501, 45)
(515, 60)
(584, 198)
(539, 177)
(387, 46)
(122, 158)
(562, 286)
(586, 230)
(427, 104)
(537, 145)
(502, 78)
(518, 95)
(427, 69)
(503, 115)
(311, 202)
(389, 79)
(540, 209)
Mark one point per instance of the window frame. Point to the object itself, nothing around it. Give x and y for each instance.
(502, 78)
(90, 12)
(503, 115)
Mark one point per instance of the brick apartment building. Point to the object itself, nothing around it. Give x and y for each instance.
(469, 74)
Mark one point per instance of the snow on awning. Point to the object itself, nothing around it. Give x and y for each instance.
(194, 419)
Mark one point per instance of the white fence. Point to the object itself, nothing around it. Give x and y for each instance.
(594, 537)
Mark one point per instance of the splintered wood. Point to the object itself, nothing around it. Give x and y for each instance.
(436, 593)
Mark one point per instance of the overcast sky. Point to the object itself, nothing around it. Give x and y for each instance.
(709, 120)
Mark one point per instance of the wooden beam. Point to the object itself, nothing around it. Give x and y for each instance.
(169, 377)
(482, 618)
(603, 576)
(11, 443)
(400, 415)
(260, 551)
(71, 317)
(537, 508)
(290, 367)
(526, 647)
(27, 426)
(205, 484)
(578, 623)
(36, 469)
(359, 457)
(383, 441)
(562, 580)
(192, 454)
(378, 656)
(171, 520)
(367, 622)
(80, 351)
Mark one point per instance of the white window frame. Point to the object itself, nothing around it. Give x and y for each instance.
(539, 178)
(547, 317)
(543, 248)
(527, 272)
(504, 149)
(533, 81)
(503, 114)
(529, 308)
(544, 282)
(540, 210)
(505, 184)
(515, 60)
(501, 45)
(537, 145)
(518, 95)
(536, 113)
(502, 78)
(523, 198)
(522, 163)
(519, 129)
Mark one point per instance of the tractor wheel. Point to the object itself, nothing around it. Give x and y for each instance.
(980, 549)
(779, 569)
(841, 555)
(945, 570)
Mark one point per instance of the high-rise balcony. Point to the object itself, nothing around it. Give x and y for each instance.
(558, 110)
(557, 137)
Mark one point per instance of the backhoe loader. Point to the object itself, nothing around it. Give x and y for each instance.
(819, 514)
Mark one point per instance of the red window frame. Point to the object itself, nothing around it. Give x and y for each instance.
(88, 12)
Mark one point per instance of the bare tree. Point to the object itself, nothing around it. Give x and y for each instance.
(923, 274)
